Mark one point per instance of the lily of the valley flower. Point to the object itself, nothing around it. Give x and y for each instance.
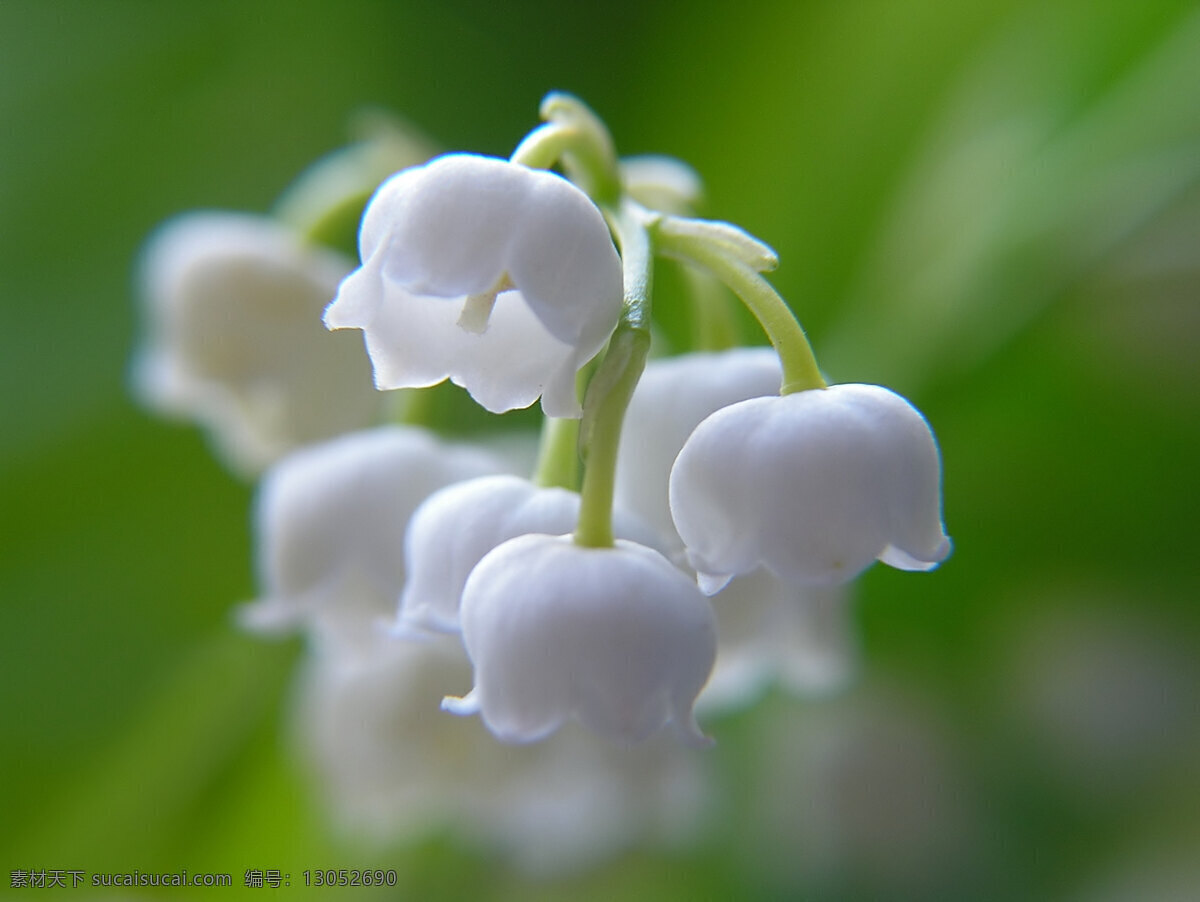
(501, 278)
(456, 526)
(617, 638)
(813, 485)
(768, 632)
(330, 524)
(673, 396)
(234, 337)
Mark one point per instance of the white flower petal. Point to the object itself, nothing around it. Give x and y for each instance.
(814, 485)
(674, 395)
(455, 527)
(917, 540)
(417, 342)
(465, 226)
(617, 638)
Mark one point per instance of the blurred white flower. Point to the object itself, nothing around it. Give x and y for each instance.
(391, 766)
(234, 338)
(456, 526)
(330, 523)
(1102, 691)
(387, 761)
(661, 183)
(862, 798)
(501, 278)
(616, 637)
(770, 633)
(813, 485)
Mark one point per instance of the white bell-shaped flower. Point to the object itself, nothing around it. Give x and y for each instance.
(501, 278)
(672, 397)
(768, 632)
(617, 638)
(234, 339)
(813, 485)
(330, 524)
(456, 526)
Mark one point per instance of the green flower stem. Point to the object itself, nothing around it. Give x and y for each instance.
(610, 390)
(800, 370)
(545, 145)
(558, 454)
(576, 137)
(413, 406)
(608, 396)
(713, 326)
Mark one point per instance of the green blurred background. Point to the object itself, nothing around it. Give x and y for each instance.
(993, 207)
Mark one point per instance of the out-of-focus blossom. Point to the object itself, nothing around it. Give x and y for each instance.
(390, 765)
(234, 339)
(1104, 694)
(862, 797)
(501, 278)
(661, 183)
(770, 633)
(330, 524)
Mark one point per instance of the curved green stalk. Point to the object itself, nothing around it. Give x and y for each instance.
(800, 370)
(545, 145)
(576, 137)
(713, 327)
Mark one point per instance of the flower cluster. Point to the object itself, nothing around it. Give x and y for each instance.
(690, 520)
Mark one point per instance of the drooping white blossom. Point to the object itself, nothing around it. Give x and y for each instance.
(330, 523)
(813, 485)
(501, 278)
(617, 638)
(456, 526)
(234, 339)
(774, 634)
(672, 397)
(768, 632)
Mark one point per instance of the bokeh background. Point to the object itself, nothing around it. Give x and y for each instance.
(993, 207)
